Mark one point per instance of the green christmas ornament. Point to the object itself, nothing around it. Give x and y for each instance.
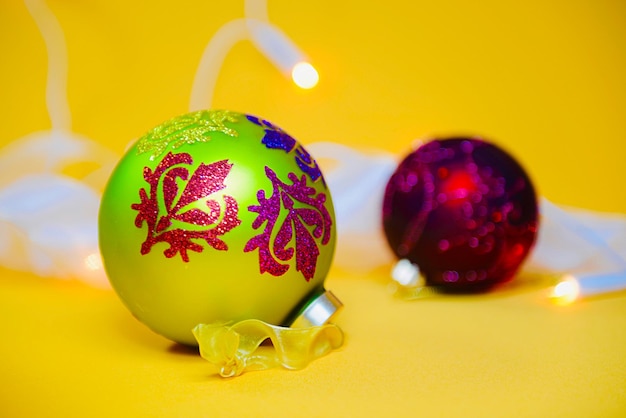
(217, 216)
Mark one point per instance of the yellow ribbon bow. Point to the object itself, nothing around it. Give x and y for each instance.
(237, 348)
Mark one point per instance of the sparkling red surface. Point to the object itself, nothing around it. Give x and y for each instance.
(464, 211)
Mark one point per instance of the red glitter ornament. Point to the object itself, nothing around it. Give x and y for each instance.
(464, 211)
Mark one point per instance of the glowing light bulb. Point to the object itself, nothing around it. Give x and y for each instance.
(566, 291)
(93, 262)
(304, 75)
(405, 273)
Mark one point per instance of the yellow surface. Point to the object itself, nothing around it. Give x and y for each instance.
(73, 352)
(543, 79)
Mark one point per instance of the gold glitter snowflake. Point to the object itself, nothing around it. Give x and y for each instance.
(186, 129)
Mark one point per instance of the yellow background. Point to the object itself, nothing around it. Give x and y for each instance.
(544, 79)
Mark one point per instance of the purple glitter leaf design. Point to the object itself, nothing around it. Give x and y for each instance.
(306, 251)
(206, 180)
(276, 138)
(312, 217)
(304, 210)
(283, 238)
(268, 210)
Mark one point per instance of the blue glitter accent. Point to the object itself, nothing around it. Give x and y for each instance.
(276, 138)
(307, 164)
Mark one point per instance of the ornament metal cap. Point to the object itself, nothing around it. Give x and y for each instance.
(318, 311)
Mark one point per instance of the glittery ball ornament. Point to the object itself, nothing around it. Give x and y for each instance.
(216, 216)
(462, 210)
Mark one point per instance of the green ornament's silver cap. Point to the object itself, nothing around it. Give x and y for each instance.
(319, 311)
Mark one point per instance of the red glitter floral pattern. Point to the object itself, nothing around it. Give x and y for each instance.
(194, 223)
(293, 213)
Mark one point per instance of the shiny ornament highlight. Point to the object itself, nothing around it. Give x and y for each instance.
(216, 217)
(462, 210)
